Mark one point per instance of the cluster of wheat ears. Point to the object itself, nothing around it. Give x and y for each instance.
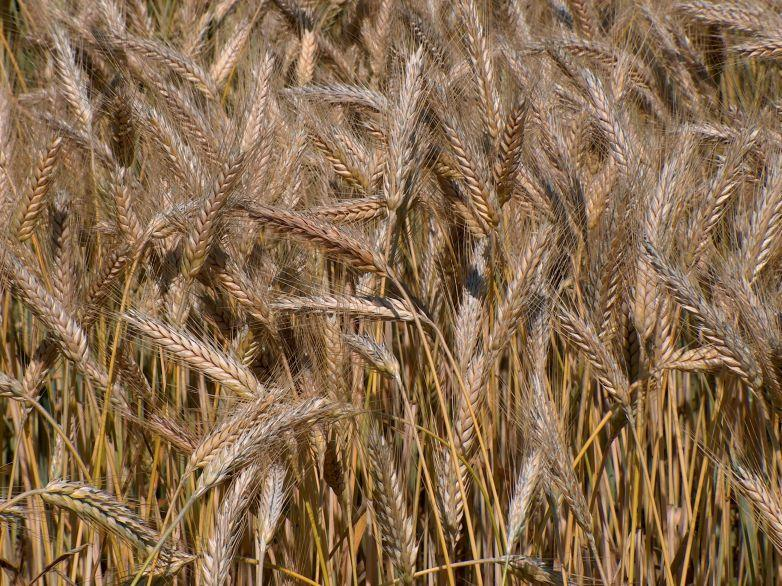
(390, 291)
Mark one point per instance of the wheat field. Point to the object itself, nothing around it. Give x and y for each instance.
(341, 292)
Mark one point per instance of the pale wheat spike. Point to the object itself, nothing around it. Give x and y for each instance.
(72, 339)
(337, 93)
(259, 101)
(722, 189)
(331, 239)
(342, 161)
(297, 419)
(702, 359)
(394, 523)
(378, 355)
(479, 195)
(402, 141)
(305, 66)
(351, 210)
(524, 493)
(232, 51)
(201, 237)
(170, 59)
(736, 15)
(766, 500)
(127, 220)
(716, 330)
(224, 369)
(72, 84)
(35, 197)
(271, 502)
(229, 524)
(582, 334)
(766, 223)
(509, 152)
(483, 66)
(383, 308)
(104, 510)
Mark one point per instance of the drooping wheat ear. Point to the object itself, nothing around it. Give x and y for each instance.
(169, 59)
(605, 367)
(71, 82)
(376, 354)
(530, 473)
(394, 523)
(382, 308)
(105, 511)
(236, 283)
(71, 338)
(337, 93)
(9, 386)
(477, 42)
(225, 369)
(702, 359)
(766, 223)
(346, 166)
(480, 196)
(767, 46)
(765, 499)
(227, 432)
(201, 236)
(13, 514)
(180, 158)
(297, 419)
(35, 197)
(322, 235)
(404, 136)
(509, 151)
(225, 63)
(185, 115)
(535, 571)
(229, 525)
(714, 327)
(738, 16)
(351, 210)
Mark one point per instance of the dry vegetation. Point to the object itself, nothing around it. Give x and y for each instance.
(390, 291)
